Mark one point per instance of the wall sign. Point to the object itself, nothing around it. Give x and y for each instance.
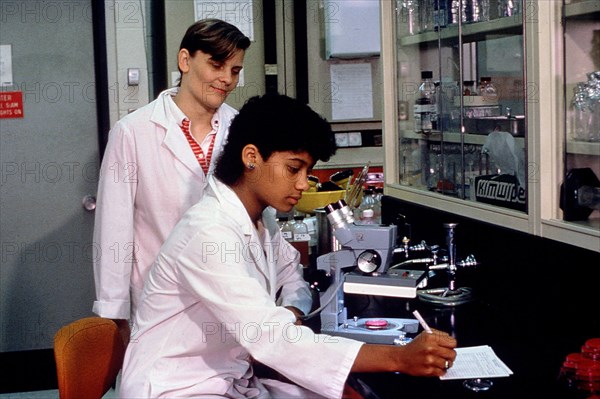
(11, 104)
(6, 75)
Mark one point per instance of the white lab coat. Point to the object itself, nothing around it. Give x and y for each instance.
(210, 305)
(149, 178)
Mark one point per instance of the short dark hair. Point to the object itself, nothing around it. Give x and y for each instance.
(213, 36)
(273, 123)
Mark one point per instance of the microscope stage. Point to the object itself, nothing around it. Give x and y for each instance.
(379, 330)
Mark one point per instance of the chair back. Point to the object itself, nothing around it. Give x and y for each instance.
(89, 354)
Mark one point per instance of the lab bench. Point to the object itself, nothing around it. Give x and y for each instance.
(535, 301)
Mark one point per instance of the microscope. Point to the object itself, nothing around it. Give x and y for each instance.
(362, 266)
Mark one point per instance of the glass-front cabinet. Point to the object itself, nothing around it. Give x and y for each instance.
(573, 185)
(489, 111)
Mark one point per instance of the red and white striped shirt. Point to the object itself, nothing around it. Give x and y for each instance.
(203, 158)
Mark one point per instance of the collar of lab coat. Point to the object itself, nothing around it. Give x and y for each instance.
(231, 204)
(175, 140)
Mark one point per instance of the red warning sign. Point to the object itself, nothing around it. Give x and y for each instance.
(11, 104)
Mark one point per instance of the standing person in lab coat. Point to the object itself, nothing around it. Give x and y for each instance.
(226, 288)
(156, 164)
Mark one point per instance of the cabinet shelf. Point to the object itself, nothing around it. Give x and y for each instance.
(451, 137)
(583, 148)
(587, 8)
(558, 51)
(470, 32)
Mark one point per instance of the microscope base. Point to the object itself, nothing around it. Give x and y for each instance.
(390, 335)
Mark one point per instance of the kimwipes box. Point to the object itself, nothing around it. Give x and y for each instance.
(500, 190)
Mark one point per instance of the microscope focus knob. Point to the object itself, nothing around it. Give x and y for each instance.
(369, 261)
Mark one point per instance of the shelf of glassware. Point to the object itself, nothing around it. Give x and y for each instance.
(583, 9)
(451, 137)
(586, 9)
(464, 207)
(584, 233)
(396, 130)
(476, 31)
(476, 210)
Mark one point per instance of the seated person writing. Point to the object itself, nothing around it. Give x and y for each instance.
(226, 288)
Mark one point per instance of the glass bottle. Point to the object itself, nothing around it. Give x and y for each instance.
(377, 206)
(311, 223)
(487, 89)
(286, 228)
(409, 16)
(300, 229)
(440, 14)
(367, 217)
(508, 8)
(485, 10)
(586, 109)
(374, 203)
(367, 201)
(455, 8)
(475, 11)
(425, 111)
(469, 88)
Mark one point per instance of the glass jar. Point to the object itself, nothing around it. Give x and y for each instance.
(300, 229)
(367, 217)
(487, 89)
(286, 228)
(586, 109)
(469, 88)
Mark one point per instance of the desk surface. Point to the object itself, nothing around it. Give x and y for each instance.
(534, 354)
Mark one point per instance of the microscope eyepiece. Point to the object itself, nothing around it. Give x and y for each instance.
(334, 206)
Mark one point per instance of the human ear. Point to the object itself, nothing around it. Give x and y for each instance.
(250, 155)
(183, 60)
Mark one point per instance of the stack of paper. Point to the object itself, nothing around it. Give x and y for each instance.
(476, 362)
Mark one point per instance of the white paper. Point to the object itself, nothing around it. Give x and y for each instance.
(6, 75)
(476, 362)
(237, 12)
(351, 91)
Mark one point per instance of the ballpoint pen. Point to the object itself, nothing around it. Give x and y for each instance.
(422, 322)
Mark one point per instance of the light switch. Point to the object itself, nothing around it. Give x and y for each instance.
(133, 76)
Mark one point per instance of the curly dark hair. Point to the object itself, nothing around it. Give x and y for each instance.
(274, 123)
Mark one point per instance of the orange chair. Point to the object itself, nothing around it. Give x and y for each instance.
(89, 354)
